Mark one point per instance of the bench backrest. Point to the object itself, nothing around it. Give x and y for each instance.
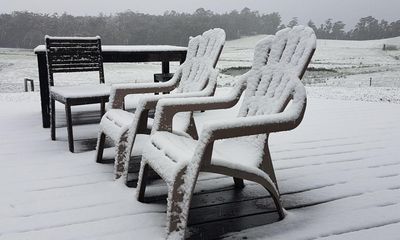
(73, 54)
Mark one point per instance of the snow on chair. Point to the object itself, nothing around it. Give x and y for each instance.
(196, 77)
(275, 100)
(74, 54)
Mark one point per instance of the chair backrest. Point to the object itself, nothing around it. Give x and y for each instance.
(73, 54)
(203, 51)
(270, 85)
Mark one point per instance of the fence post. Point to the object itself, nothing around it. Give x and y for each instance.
(26, 80)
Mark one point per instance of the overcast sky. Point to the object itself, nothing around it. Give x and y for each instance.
(349, 11)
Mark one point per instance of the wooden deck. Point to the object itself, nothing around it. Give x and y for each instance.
(339, 175)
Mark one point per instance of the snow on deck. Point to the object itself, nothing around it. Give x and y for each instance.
(339, 175)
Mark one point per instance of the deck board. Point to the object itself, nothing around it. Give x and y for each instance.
(341, 157)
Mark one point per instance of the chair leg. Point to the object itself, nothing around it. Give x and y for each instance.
(267, 165)
(121, 157)
(141, 185)
(178, 210)
(102, 108)
(100, 147)
(53, 119)
(279, 208)
(275, 196)
(238, 183)
(192, 130)
(69, 127)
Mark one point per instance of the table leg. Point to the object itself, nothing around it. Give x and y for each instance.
(44, 89)
(165, 67)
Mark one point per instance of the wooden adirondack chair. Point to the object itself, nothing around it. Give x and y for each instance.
(196, 77)
(242, 150)
(74, 54)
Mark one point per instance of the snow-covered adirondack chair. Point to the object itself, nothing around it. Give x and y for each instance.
(196, 77)
(274, 100)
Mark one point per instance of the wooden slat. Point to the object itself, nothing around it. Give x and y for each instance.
(74, 55)
(73, 59)
(73, 41)
(73, 47)
(87, 69)
(75, 65)
(72, 63)
(58, 44)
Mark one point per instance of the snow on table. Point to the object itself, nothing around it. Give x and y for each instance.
(338, 172)
(130, 48)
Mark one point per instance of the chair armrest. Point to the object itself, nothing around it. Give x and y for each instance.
(119, 91)
(150, 102)
(167, 108)
(246, 126)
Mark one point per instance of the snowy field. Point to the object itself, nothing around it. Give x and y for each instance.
(339, 70)
(338, 172)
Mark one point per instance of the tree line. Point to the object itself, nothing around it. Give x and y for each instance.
(26, 29)
(367, 28)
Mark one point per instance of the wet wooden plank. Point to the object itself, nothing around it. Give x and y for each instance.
(215, 229)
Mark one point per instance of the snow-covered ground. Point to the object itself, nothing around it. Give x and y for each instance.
(341, 165)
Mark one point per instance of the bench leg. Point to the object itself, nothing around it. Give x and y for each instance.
(53, 119)
(69, 127)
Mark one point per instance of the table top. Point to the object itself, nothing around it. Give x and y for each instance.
(129, 48)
